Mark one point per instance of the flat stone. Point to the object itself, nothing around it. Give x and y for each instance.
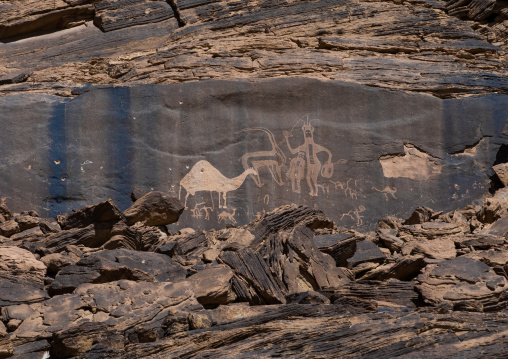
(366, 251)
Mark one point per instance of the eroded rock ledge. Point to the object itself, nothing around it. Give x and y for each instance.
(447, 49)
(102, 283)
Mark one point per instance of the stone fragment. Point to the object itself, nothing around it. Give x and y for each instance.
(428, 230)
(389, 239)
(154, 209)
(212, 286)
(501, 171)
(113, 265)
(76, 340)
(102, 212)
(462, 280)
(441, 248)
(5, 213)
(56, 261)
(14, 77)
(92, 236)
(9, 228)
(340, 246)
(419, 216)
(366, 251)
(405, 268)
(310, 297)
(20, 312)
(200, 321)
(32, 234)
(253, 281)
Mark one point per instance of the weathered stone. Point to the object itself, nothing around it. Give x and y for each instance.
(461, 280)
(310, 297)
(113, 265)
(420, 216)
(428, 230)
(56, 261)
(15, 77)
(154, 209)
(441, 248)
(93, 236)
(340, 246)
(9, 228)
(366, 251)
(502, 172)
(199, 321)
(212, 286)
(102, 212)
(405, 268)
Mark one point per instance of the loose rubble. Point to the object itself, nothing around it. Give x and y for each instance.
(102, 283)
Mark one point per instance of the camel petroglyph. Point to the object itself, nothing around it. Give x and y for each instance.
(205, 177)
(223, 216)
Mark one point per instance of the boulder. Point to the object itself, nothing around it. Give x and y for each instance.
(101, 212)
(212, 286)
(154, 209)
(366, 251)
(441, 248)
(463, 281)
(113, 265)
(341, 246)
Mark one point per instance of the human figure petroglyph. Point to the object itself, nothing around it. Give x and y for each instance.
(223, 216)
(205, 177)
(313, 166)
(197, 211)
(273, 159)
(296, 171)
(387, 191)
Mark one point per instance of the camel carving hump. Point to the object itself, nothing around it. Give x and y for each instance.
(203, 176)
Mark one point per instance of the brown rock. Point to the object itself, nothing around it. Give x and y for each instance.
(462, 280)
(9, 228)
(502, 172)
(212, 286)
(154, 209)
(366, 251)
(102, 212)
(441, 248)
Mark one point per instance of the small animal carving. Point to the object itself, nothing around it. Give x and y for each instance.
(387, 191)
(223, 216)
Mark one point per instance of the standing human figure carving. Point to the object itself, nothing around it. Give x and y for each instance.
(313, 165)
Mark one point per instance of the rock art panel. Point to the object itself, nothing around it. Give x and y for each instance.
(235, 150)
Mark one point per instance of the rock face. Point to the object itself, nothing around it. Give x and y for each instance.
(257, 167)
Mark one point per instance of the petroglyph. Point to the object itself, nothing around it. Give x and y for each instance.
(197, 212)
(414, 164)
(387, 191)
(273, 159)
(307, 161)
(223, 216)
(324, 187)
(355, 215)
(205, 177)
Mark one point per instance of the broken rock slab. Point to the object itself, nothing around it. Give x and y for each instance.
(463, 283)
(105, 211)
(113, 265)
(154, 209)
(366, 251)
